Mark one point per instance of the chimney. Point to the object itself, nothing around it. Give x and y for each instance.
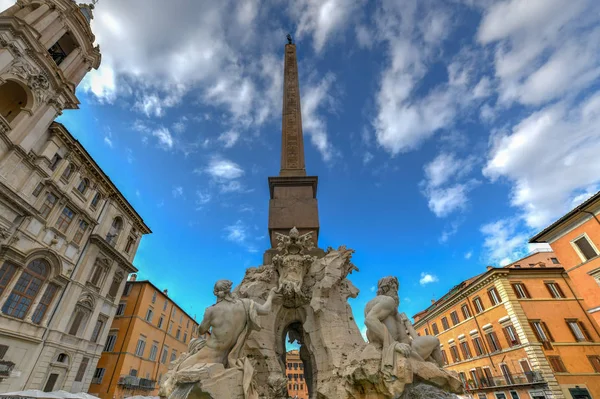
(133, 277)
(488, 267)
(166, 292)
(432, 301)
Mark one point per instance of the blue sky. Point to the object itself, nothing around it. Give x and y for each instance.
(444, 133)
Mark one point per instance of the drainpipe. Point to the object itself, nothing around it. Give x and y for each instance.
(579, 302)
(591, 213)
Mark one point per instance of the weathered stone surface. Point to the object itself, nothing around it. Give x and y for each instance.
(425, 391)
(211, 381)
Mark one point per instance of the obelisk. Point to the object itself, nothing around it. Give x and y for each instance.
(293, 194)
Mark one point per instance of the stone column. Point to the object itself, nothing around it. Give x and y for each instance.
(52, 34)
(43, 23)
(35, 14)
(36, 302)
(70, 62)
(36, 129)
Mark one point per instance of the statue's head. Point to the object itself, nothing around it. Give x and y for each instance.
(388, 286)
(222, 289)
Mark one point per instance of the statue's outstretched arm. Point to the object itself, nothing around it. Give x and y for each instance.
(265, 308)
(206, 321)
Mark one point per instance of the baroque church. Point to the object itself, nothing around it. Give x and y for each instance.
(67, 235)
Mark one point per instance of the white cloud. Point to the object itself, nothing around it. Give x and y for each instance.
(445, 167)
(202, 198)
(223, 169)
(373, 288)
(229, 138)
(239, 233)
(504, 241)
(427, 278)
(314, 124)
(129, 155)
(165, 139)
(468, 255)
(547, 170)
(177, 192)
(108, 141)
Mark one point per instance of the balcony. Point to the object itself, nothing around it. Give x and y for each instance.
(6, 368)
(500, 381)
(131, 382)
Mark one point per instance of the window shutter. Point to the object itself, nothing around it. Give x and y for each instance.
(477, 349)
(585, 331)
(560, 291)
(497, 340)
(535, 331)
(464, 352)
(514, 287)
(491, 297)
(490, 342)
(547, 331)
(571, 329)
(507, 336)
(525, 290)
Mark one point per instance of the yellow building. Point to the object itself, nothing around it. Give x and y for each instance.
(148, 333)
(518, 332)
(294, 369)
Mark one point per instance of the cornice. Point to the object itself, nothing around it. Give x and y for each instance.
(15, 200)
(116, 255)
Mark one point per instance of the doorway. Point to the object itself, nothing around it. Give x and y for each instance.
(50, 383)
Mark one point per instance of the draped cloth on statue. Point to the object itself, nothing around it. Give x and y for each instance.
(234, 358)
(389, 353)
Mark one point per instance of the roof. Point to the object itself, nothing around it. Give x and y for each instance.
(104, 175)
(536, 238)
(164, 295)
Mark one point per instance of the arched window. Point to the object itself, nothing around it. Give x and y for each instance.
(62, 48)
(96, 200)
(83, 185)
(62, 358)
(67, 172)
(27, 288)
(13, 98)
(6, 273)
(115, 230)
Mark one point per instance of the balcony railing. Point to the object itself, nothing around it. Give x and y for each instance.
(131, 382)
(529, 378)
(6, 368)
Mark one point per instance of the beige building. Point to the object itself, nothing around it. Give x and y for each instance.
(67, 235)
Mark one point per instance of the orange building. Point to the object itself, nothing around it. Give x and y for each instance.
(149, 332)
(575, 238)
(294, 369)
(518, 332)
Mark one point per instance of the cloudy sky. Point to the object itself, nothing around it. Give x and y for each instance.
(444, 132)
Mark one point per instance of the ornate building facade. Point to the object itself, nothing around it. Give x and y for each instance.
(67, 235)
(518, 332)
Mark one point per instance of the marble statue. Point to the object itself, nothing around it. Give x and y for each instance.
(229, 321)
(392, 331)
(292, 263)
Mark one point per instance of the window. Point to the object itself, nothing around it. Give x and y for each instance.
(121, 308)
(50, 383)
(454, 317)
(578, 329)
(493, 343)
(478, 305)
(42, 307)
(494, 296)
(127, 289)
(26, 289)
(163, 358)
(454, 354)
(188, 324)
(97, 330)
(77, 321)
(48, 205)
(595, 362)
(55, 161)
(154, 297)
(444, 357)
(133, 372)
(474, 383)
(445, 324)
(67, 172)
(95, 200)
(466, 351)
(153, 351)
(115, 230)
(178, 334)
(465, 311)
(62, 358)
(38, 190)
(98, 376)
(543, 335)
(141, 345)
(173, 355)
(180, 318)
(555, 261)
(160, 321)
(434, 328)
(110, 342)
(149, 315)
(481, 396)
(165, 305)
(514, 395)
(83, 186)
(114, 286)
(81, 370)
(520, 290)
(64, 220)
(170, 327)
(7, 271)
(129, 244)
(557, 365)
(499, 395)
(586, 250)
(97, 275)
(511, 336)
(517, 266)
(555, 290)
(80, 232)
(478, 345)
(426, 332)
(173, 313)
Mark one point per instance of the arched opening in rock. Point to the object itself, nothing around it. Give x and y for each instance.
(298, 362)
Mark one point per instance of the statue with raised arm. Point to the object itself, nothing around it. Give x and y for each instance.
(229, 321)
(388, 328)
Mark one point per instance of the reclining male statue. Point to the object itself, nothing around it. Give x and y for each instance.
(229, 321)
(388, 328)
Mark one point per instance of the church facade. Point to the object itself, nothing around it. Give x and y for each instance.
(67, 235)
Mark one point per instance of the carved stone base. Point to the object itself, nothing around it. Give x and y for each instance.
(425, 391)
(211, 381)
